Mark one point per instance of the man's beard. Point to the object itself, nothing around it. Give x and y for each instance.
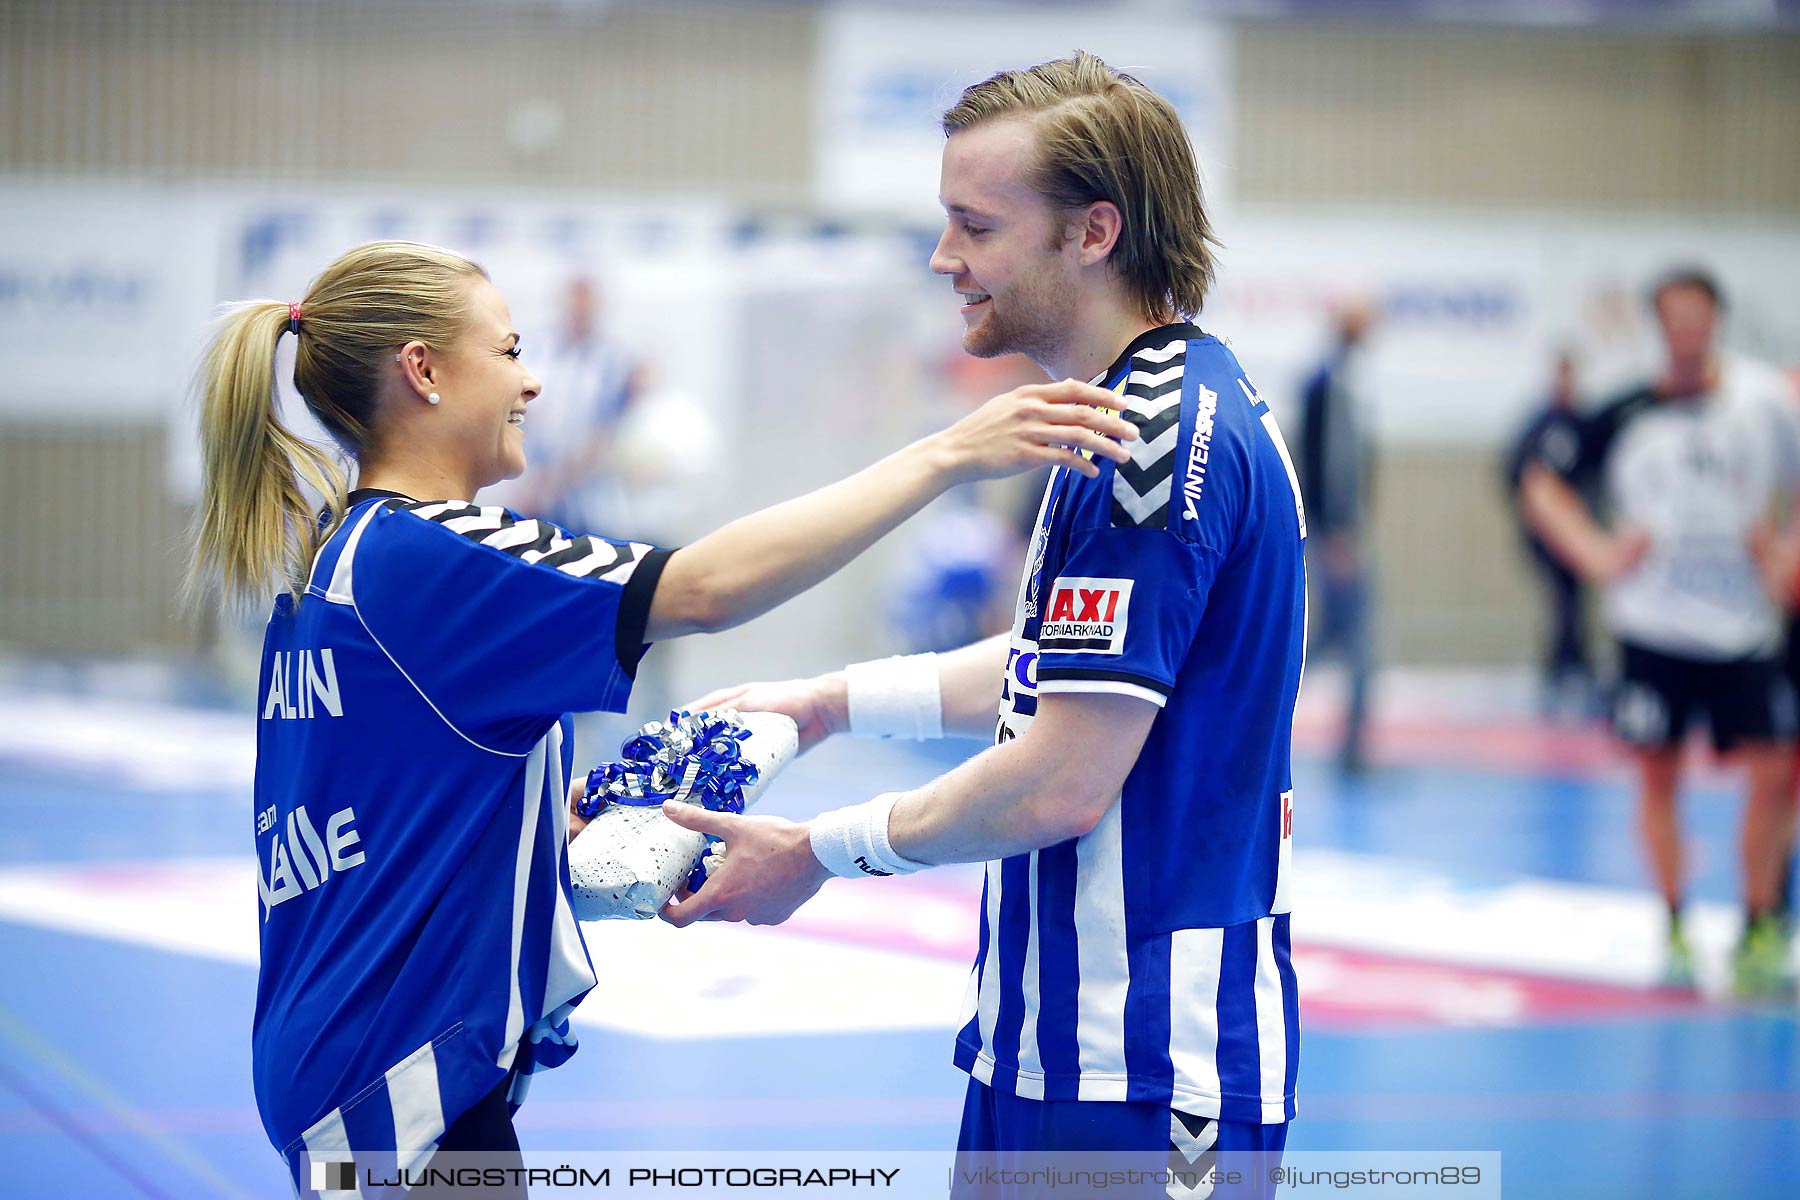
(1034, 321)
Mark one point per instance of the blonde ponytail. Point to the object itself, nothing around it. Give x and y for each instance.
(257, 531)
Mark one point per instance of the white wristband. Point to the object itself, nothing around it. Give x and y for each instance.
(853, 841)
(895, 697)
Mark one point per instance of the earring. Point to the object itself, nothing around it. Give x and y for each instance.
(433, 398)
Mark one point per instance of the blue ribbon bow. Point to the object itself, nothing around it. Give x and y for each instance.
(692, 757)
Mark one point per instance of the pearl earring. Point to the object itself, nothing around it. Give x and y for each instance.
(433, 398)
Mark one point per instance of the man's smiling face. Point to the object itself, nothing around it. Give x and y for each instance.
(1007, 252)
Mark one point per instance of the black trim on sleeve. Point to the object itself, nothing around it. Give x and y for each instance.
(1144, 681)
(634, 611)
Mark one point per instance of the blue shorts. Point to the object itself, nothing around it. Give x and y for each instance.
(1004, 1130)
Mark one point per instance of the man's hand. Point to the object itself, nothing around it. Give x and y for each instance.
(820, 706)
(1777, 555)
(1618, 554)
(769, 870)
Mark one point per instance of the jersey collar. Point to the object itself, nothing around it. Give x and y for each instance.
(1161, 335)
(360, 494)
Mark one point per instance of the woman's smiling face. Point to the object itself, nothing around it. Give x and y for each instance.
(485, 388)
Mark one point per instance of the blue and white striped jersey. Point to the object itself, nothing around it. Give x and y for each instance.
(1149, 959)
(413, 757)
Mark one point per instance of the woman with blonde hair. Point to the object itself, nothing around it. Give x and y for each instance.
(420, 958)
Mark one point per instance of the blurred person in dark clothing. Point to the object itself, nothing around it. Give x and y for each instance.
(1336, 472)
(1553, 436)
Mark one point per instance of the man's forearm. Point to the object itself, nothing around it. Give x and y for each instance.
(1556, 512)
(1004, 801)
(1054, 782)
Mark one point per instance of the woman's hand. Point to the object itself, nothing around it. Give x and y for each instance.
(1037, 424)
(577, 822)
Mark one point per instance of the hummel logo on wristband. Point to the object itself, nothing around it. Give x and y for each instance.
(854, 841)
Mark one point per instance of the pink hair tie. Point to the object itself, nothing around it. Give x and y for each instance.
(294, 317)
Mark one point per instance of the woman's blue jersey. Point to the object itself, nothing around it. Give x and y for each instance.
(413, 758)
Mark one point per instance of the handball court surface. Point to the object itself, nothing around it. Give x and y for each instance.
(1475, 939)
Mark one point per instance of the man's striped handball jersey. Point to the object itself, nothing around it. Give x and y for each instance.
(1149, 959)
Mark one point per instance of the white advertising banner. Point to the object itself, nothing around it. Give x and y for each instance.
(644, 254)
(885, 76)
(103, 292)
(107, 295)
(1473, 307)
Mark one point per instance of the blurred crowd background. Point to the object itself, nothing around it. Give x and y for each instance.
(713, 219)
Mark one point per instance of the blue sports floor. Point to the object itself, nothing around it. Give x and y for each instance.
(1474, 935)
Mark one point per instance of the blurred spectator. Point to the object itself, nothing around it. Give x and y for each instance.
(665, 450)
(950, 586)
(1553, 435)
(1336, 474)
(611, 446)
(588, 380)
(1790, 872)
(659, 459)
(1692, 463)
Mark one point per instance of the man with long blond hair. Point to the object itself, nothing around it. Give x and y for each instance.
(1133, 989)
